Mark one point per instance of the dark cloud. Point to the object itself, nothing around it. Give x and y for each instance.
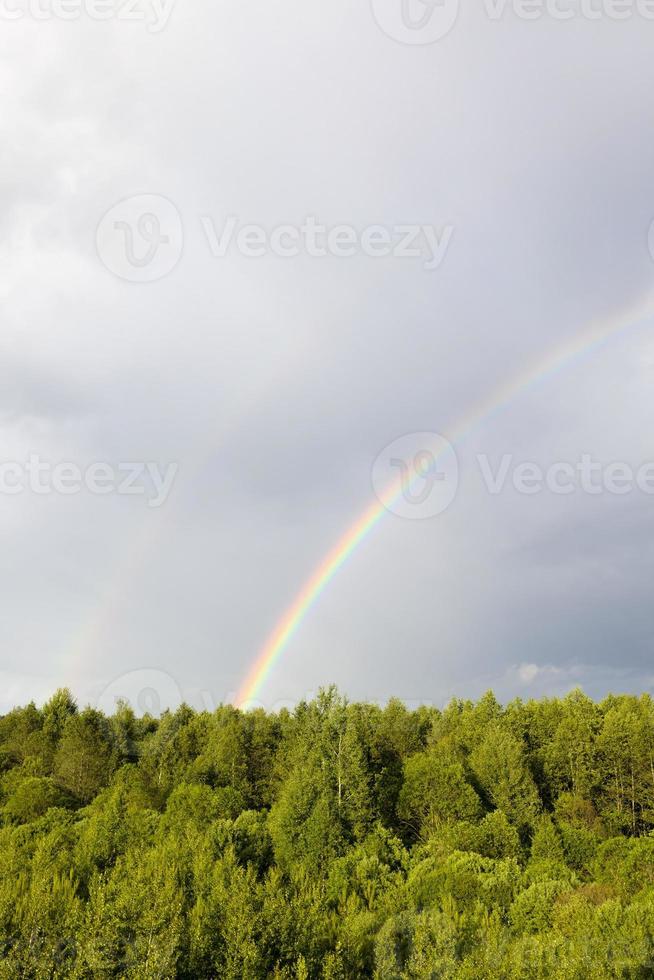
(275, 383)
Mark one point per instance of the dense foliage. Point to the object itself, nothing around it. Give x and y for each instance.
(340, 840)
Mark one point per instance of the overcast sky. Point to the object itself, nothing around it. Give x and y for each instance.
(275, 382)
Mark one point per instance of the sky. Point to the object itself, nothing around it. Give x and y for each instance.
(271, 378)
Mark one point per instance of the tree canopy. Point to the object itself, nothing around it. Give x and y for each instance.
(335, 841)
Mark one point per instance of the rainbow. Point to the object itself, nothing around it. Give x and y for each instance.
(591, 339)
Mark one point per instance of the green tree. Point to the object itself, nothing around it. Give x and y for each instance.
(56, 712)
(85, 758)
(500, 765)
(32, 797)
(435, 790)
(570, 756)
(625, 750)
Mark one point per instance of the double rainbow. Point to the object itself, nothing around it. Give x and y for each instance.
(594, 337)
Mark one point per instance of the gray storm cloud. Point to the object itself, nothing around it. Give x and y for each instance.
(275, 382)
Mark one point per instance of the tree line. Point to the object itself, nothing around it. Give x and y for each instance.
(339, 840)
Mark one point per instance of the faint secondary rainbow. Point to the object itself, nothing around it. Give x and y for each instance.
(592, 338)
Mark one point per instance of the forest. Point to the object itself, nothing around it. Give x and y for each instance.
(337, 840)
